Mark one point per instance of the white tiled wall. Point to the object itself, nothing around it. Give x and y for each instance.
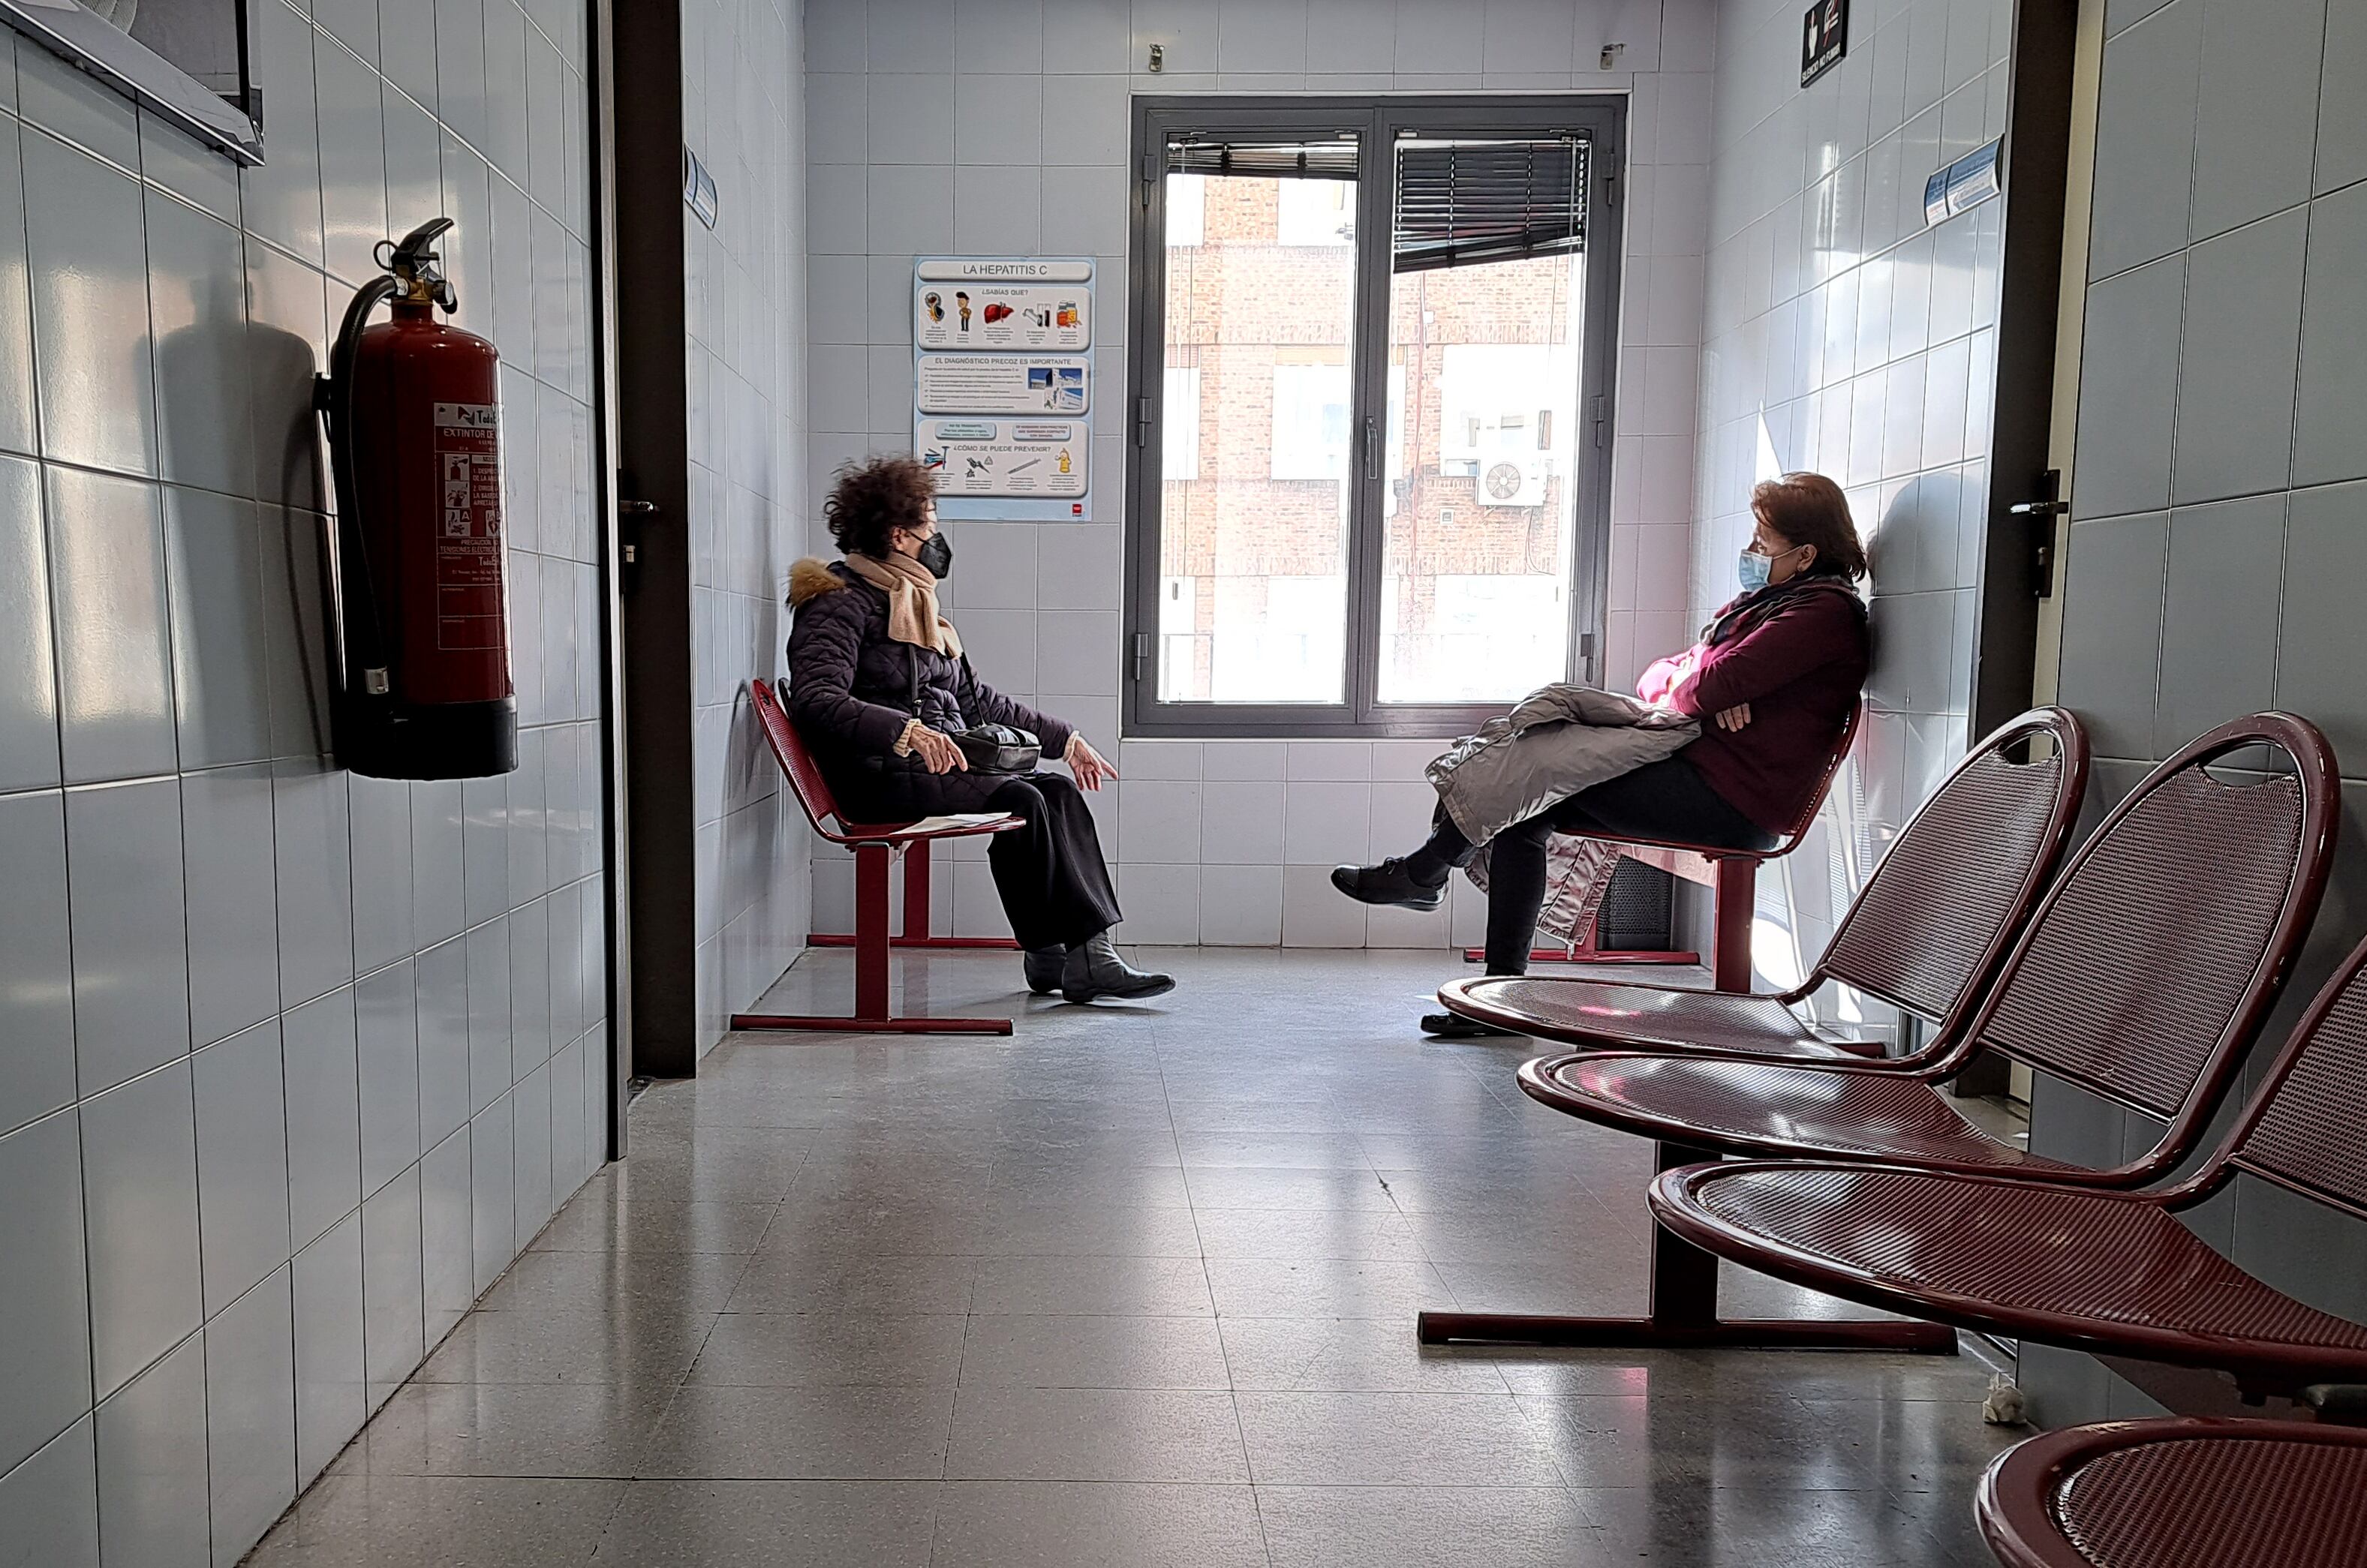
(291, 1063)
(744, 115)
(2219, 517)
(1000, 126)
(1845, 337)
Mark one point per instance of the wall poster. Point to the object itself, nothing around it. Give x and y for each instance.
(1003, 384)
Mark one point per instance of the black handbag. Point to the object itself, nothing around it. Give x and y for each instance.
(999, 748)
(987, 748)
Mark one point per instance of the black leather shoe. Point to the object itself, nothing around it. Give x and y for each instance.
(1094, 970)
(1387, 882)
(1455, 1026)
(1043, 966)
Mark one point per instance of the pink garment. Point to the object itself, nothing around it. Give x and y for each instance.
(1663, 676)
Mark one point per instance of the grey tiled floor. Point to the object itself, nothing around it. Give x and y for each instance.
(1133, 1288)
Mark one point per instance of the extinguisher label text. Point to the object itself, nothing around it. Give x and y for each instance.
(469, 588)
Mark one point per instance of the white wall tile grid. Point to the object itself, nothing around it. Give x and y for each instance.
(743, 107)
(1843, 336)
(291, 1063)
(1000, 126)
(2217, 495)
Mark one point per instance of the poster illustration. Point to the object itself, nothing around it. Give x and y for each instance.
(1001, 315)
(1003, 384)
(1013, 458)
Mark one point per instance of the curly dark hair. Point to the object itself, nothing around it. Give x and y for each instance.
(873, 499)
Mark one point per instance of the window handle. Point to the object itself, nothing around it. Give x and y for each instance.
(1372, 448)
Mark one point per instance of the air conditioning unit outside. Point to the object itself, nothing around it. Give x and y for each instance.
(1513, 481)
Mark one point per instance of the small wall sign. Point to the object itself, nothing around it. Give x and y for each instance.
(1965, 183)
(1824, 39)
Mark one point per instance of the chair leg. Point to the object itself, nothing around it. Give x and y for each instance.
(917, 915)
(871, 943)
(871, 931)
(916, 893)
(1736, 899)
(1683, 1312)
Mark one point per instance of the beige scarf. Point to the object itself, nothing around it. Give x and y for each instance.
(912, 614)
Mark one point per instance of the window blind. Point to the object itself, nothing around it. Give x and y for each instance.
(1326, 160)
(1459, 203)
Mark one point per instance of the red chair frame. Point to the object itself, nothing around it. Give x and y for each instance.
(1684, 1275)
(1734, 893)
(875, 846)
(2162, 1510)
(1475, 997)
(2125, 1250)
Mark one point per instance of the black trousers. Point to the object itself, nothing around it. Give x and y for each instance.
(1054, 883)
(1667, 799)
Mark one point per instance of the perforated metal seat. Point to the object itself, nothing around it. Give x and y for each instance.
(2175, 1493)
(2109, 1272)
(1773, 1107)
(2097, 1271)
(1929, 928)
(2144, 976)
(2121, 983)
(1668, 1017)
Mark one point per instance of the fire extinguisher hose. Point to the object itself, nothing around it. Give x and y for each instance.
(366, 632)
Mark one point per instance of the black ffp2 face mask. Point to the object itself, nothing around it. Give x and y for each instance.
(937, 553)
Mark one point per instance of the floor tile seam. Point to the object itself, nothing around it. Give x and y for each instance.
(615, 1507)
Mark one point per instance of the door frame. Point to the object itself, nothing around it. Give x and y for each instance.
(2015, 570)
(614, 795)
(648, 512)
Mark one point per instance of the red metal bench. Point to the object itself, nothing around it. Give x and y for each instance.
(1732, 877)
(2115, 1273)
(1926, 933)
(2118, 984)
(2179, 1493)
(875, 846)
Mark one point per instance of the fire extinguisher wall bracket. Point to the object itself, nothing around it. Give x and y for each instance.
(420, 571)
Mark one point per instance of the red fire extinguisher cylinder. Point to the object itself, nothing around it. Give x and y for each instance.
(416, 408)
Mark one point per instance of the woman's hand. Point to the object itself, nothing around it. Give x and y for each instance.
(1735, 717)
(1090, 766)
(938, 752)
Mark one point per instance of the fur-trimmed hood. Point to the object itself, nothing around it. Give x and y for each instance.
(810, 579)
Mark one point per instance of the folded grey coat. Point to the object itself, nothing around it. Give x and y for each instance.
(1559, 740)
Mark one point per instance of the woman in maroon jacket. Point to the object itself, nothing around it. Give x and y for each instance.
(879, 686)
(1772, 681)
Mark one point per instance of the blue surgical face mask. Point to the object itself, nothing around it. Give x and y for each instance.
(1752, 569)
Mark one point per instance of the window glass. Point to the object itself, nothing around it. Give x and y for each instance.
(1255, 487)
(1387, 528)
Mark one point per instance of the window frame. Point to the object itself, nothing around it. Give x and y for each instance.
(1376, 120)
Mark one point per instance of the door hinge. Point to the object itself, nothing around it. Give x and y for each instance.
(1596, 415)
(1611, 181)
(1153, 165)
(1141, 654)
(2040, 515)
(1142, 422)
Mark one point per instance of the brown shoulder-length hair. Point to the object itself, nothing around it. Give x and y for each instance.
(1810, 509)
(873, 499)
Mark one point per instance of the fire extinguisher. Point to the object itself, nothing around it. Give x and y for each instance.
(421, 570)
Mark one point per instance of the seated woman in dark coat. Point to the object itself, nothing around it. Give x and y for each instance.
(879, 687)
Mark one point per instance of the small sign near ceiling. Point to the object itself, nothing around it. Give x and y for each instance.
(1824, 39)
